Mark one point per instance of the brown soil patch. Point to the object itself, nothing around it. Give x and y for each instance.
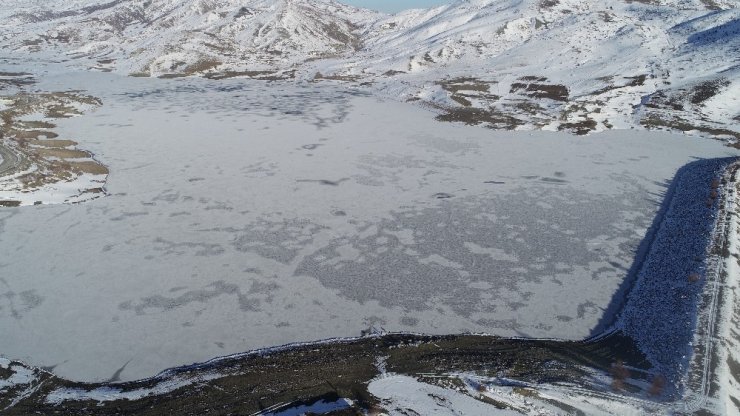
(14, 74)
(475, 116)
(34, 124)
(52, 143)
(707, 90)
(261, 75)
(91, 167)
(95, 191)
(34, 134)
(461, 100)
(580, 128)
(349, 78)
(463, 90)
(46, 159)
(656, 121)
(634, 81)
(171, 76)
(62, 153)
(535, 90)
(393, 72)
(202, 66)
(464, 84)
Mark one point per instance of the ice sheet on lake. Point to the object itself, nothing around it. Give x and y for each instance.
(245, 215)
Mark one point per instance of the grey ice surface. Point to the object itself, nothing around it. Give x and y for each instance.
(245, 215)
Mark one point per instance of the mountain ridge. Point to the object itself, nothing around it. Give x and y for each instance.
(513, 64)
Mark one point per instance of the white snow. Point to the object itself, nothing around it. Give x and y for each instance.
(164, 36)
(69, 192)
(402, 394)
(104, 394)
(21, 375)
(597, 50)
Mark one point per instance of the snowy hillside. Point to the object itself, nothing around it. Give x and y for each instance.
(567, 65)
(512, 64)
(160, 37)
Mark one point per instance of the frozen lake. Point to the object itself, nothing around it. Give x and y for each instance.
(245, 215)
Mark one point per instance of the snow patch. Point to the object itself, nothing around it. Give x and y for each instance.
(105, 394)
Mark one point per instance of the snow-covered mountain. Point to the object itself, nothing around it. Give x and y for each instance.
(158, 37)
(515, 64)
(565, 64)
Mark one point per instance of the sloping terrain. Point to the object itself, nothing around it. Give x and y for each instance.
(158, 37)
(567, 65)
(511, 64)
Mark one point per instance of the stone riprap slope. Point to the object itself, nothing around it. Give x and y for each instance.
(662, 310)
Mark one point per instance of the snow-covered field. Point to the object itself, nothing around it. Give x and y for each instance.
(403, 395)
(244, 215)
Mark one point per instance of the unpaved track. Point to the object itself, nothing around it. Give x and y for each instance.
(702, 370)
(9, 162)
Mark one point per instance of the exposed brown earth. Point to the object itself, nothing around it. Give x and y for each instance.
(532, 100)
(40, 157)
(670, 110)
(537, 90)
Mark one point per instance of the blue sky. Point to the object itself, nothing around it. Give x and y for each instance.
(393, 6)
